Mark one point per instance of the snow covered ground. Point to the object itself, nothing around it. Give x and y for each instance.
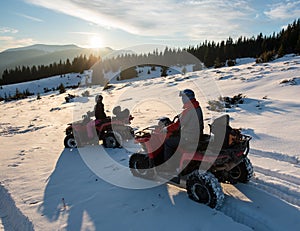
(43, 85)
(44, 186)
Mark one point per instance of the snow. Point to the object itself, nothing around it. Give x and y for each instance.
(44, 186)
(39, 86)
(145, 72)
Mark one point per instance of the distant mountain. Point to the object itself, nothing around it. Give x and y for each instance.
(41, 54)
(44, 47)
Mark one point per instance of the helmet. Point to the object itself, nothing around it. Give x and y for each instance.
(116, 110)
(187, 93)
(98, 98)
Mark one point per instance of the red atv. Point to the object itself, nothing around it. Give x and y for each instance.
(112, 130)
(223, 152)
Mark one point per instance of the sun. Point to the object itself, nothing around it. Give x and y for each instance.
(95, 42)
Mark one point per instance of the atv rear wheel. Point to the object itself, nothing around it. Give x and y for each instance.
(241, 173)
(70, 141)
(139, 165)
(112, 140)
(203, 187)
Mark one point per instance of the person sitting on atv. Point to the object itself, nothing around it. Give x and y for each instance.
(187, 130)
(121, 113)
(99, 114)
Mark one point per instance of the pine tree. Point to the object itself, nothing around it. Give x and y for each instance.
(61, 88)
(280, 51)
(297, 48)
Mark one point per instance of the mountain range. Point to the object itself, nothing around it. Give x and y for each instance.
(42, 54)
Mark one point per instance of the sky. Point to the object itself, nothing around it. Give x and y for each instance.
(126, 23)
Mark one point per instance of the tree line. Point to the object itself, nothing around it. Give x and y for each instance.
(210, 53)
(263, 48)
(26, 73)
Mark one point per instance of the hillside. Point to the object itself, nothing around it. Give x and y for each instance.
(74, 79)
(43, 47)
(44, 55)
(44, 186)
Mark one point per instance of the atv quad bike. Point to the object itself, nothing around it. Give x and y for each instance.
(227, 162)
(112, 131)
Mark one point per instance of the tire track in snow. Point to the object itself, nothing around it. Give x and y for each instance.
(276, 156)
(245, 215)
(281, 192)
(279, 185)
(281, 176)
(283, 186)
(245, 204)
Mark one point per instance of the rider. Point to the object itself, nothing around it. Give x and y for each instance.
(188, 127)
(99, 113)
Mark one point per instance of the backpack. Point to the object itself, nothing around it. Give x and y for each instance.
(234, 136)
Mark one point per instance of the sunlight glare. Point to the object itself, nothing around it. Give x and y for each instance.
(95, 42)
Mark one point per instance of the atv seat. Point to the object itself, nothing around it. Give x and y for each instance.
(202, 144)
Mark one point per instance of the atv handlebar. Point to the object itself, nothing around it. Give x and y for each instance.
(163, 122)
(143, 132)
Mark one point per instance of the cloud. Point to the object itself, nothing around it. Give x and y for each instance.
(192, 19)
(8, 39)
(30, 17)
(12, 42)
(284, 10)
(8, 30)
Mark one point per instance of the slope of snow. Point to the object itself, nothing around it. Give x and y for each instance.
(53, 188)
(39, 86)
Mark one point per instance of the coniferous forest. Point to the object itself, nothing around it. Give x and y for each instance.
(263, 48)
(211, 54)
(26, 73)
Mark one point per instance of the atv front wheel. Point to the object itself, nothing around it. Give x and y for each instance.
(203, 187)
(241, 173)
(140, 166)
(70, 141)
(112, 140)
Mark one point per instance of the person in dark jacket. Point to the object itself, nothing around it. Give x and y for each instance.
(99, 114)
(188, 127)
(99, 108)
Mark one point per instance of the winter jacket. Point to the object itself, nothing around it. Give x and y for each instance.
(190, 122)
(99, 111)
